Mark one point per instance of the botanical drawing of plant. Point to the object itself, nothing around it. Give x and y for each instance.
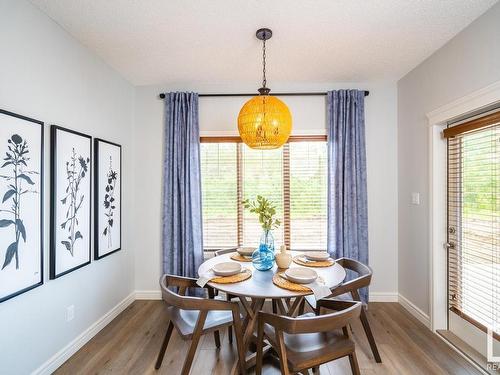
(76, 169)
(17, 159)
(109, 199)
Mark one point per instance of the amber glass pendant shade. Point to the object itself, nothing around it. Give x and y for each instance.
(264, 122)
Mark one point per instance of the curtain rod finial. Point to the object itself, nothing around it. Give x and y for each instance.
(162, 96)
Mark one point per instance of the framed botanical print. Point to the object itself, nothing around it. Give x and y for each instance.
(21, 204)
(107, 198)
(71, 187)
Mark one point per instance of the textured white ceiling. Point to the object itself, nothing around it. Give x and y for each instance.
(212, 41)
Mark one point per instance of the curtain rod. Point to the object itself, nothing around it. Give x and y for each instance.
(162, 95)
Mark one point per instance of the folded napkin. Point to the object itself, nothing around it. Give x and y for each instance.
(319, 289)
(304, 259)
(205, 278)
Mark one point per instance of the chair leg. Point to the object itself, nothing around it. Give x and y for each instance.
(194, 343)
(282, 353)
(316, 370)
(229, 297)
(367, 329)
(260, 344)
(275, 306)
(217, 339)
(164, 345)
(353, 360)
(239, 341)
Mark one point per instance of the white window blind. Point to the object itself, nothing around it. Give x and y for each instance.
(474, 221)
(308, 192)
(293, 177)
(262, 175)
(219, 194)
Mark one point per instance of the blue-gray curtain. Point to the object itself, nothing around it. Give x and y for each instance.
(347, 196)
(182, 223)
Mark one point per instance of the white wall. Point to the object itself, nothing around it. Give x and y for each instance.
(219, 115)
(47, 75)
(468, 62)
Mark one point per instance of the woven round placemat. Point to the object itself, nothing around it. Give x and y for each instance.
(323, 263)
(243, 275)
(286, 284)
(237, 257)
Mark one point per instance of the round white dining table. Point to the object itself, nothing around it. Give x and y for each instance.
(254, 291)
(260, 285)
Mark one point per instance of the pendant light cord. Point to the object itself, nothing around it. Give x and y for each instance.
(264, 80)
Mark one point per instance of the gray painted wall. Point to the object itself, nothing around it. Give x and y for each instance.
(468, 62)
(46, 74)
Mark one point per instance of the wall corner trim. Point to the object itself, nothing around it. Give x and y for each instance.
(65, 353)
(415, 311)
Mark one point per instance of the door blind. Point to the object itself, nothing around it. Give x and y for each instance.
(474, 221)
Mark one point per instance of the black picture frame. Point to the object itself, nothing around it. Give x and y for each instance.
(54, 129)
(98, 200)
(39, 123)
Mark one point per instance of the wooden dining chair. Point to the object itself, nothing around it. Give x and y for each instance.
(193, 317)
(309, 340)
(225, 251)
(351, 290)
(229, 297)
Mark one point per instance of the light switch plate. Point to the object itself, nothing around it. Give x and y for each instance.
(415, 198)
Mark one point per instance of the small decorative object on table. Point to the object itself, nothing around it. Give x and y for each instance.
(263, 257)
(283, 258)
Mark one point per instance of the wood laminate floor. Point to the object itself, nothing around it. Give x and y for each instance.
(130, 343)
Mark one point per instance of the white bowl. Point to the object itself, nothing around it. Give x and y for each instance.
(245, 251)
(226, 268)
(301, 275)
(317, 255)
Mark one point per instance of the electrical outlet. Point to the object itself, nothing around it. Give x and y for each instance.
(70, 313)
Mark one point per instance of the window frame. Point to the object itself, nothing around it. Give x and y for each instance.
(285, 176)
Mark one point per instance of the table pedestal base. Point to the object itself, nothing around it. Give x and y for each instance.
(252, 308)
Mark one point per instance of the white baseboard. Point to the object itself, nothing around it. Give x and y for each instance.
(147, 294)
(415, 311)
(383, 297)
(65, 353)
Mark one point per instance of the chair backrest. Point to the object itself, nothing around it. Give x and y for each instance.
(363, 279)
(225, 251)
(321, 323)
(180, 300)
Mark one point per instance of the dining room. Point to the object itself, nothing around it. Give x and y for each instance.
(249, 187)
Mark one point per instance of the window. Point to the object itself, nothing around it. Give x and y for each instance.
(294, 177)
(474, 221)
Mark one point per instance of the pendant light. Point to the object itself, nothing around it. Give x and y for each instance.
(264, 121)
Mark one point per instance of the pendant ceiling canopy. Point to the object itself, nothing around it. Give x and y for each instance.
(264, 122)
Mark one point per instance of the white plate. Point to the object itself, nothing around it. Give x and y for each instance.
(317, 255)
(245, 251)
(301, 275)
(226, 268)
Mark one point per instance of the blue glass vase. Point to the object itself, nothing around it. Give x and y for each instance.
(263, 257)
